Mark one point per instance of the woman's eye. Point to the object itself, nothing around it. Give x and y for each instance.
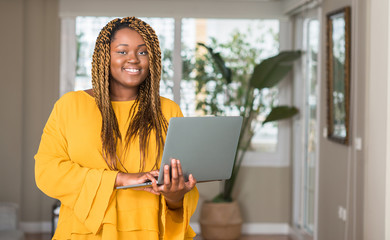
(121, 52)
(143, 53)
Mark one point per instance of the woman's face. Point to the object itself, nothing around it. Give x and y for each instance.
(129, 61)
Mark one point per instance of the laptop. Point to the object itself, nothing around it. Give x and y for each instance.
(205, 146)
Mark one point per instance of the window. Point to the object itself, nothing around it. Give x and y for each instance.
(311, 123)
(258, 39)
(242, 44)
(306, 129)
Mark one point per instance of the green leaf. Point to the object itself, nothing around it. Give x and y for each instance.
(272, 70)
(220, 63)
(279, 113)
(199, 105)
(276, 75)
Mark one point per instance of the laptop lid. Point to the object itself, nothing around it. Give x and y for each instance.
(205, 146)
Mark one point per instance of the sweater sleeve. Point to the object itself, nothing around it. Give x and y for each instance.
(176, 223)
(86, 191)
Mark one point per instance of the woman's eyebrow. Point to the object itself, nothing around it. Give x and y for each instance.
(126, 45)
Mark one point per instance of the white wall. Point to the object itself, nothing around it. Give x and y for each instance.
(341, 168)
(377, 128)
(11, 100)
(29, 65)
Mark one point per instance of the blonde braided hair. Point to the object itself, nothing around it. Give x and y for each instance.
(145, 114)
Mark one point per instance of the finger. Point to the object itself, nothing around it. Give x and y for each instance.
(191, 182)
(155, 186)
(180, 174)
(167, 177)
(154, 173)
(174, 172)
(179, 169)
(150, 177)
(135, 178)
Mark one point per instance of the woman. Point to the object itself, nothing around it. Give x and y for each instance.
(113, 135)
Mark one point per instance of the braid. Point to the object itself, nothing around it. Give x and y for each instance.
(146, 114)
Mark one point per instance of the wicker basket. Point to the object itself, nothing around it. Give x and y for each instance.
(220, 221)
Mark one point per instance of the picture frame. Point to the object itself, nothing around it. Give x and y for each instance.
(338, 27)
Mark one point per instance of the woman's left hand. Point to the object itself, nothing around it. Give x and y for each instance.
(174, 186)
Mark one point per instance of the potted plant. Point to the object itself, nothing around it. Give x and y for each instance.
(221, 218)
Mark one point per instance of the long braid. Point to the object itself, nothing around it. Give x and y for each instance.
(154, 89)
(146, 114)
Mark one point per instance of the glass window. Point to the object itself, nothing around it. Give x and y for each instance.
(87, 30)
(242, 44)
(311, 130)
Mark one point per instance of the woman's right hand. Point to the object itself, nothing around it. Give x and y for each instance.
(123, 179)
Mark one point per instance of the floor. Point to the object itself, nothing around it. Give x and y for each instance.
(37, 236)
(258, 237)
(251, 237)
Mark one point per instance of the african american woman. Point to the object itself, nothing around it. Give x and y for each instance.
(113, 135)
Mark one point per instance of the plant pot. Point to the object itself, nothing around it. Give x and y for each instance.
(220, 221)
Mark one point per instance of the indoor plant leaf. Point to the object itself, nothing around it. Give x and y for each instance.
(271, 71)
(280, 112)
(226, 72)
(274, 77)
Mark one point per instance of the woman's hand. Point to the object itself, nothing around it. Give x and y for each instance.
(174, 187)
(123, 179)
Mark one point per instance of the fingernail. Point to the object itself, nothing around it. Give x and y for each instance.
(166, 167)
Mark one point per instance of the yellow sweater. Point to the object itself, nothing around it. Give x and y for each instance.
(69, 166)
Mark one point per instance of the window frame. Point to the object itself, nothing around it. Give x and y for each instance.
(301, 22)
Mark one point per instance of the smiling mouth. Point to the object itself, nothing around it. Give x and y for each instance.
(132, 70)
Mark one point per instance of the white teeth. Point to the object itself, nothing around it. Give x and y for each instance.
(132, 70)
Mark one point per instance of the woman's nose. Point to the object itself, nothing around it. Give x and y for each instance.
(132, 58)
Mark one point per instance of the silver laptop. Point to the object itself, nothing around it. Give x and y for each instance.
(205, 146)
